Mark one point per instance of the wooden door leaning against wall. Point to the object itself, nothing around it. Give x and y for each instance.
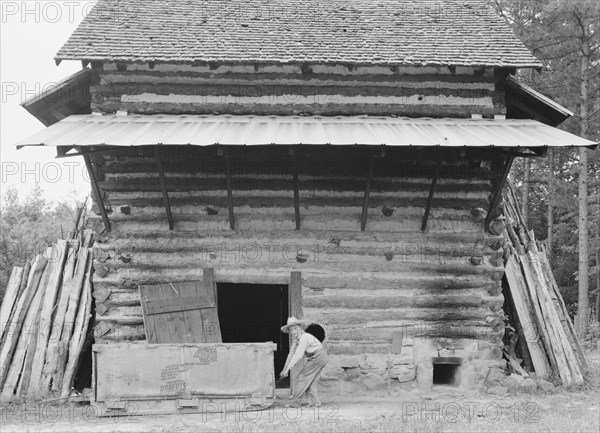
(181, 312)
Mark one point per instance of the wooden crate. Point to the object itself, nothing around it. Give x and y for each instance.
(136, 379)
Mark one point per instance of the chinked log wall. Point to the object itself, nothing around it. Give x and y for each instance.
(443, 283)
(295, 89)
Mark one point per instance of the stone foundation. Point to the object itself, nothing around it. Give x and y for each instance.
(413, 367)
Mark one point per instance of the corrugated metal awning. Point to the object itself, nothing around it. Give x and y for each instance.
(206, 130)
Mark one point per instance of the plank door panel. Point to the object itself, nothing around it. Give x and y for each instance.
(181, 312)
(175, 320)
(193, 317)
(155, 325)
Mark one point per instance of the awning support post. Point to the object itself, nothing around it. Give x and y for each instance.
(296, 190)
(97, 192)
(163, 187)
(295, 309)
(499, 188)
(430, 197)
(296, 201)
(365, 207)
(229, 191)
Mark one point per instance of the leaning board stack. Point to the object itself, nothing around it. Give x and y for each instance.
(44, 320)
(546, 327)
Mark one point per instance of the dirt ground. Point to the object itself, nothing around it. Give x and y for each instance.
(452, 412)
(445, 410)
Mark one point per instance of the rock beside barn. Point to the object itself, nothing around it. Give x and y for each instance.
(513, 382)
(497, 390)
(527, 386)
(546, 386)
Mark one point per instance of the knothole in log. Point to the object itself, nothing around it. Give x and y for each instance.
(301, 258)
(387, 211)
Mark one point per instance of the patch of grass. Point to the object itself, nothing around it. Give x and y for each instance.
(592, 355)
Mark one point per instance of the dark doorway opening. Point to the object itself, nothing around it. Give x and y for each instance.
(255, 313)
(446, 371)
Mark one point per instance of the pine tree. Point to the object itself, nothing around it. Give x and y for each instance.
(564, 36)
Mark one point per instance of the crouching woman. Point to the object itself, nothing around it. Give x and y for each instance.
(309, 345)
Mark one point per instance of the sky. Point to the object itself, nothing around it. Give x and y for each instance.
(31, 33)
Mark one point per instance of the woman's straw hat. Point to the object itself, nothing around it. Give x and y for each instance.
(291, 321)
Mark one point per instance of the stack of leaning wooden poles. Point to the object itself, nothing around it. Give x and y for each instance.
(44, 320)
(544, 323)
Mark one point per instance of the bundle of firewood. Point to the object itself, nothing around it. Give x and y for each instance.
(548, 339)
(44, 321)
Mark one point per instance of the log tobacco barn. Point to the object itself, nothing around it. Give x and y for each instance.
(338, 161)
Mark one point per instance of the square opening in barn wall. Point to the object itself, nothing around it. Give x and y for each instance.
(254, 313)
(446, 371)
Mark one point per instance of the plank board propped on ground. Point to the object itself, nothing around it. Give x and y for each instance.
(181, 312)
(24, 349)
(59, 254)
(40, 353)
(524, 310)
(79, 333)
(10, 296)
(560, 341)
(64, 320)
(539, 303)
(12, 335)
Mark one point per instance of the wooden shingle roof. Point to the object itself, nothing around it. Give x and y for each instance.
(371, 32)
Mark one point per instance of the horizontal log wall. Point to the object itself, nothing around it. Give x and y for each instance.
(296, 89)
(441, 284)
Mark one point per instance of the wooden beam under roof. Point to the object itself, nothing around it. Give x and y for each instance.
(296, 200)
(163, 187)
(498, 191)
(229, 191)
(97, 193)
(430, 197)
(365, 207)
(532, 152)
(62, 150)
(296, 188)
